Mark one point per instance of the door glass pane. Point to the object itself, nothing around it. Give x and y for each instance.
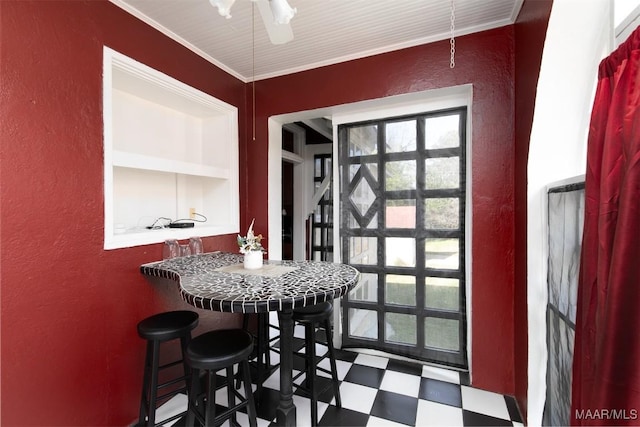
(362, 196)
(363, 323)
(441, 253)
(400, 175)
(442, 132)
(400, 289)
(400, 328)
(442, 172)
(363, 250)
(353, 169)
(373, 170)
(441, 333)
(367, 289)
(373, 224)
(400, 213)
(363, 140)
(441, 293)
(401, 136)
(352, 221)
(400, 252)
(442, 213)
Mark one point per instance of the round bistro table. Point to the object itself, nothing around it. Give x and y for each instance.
(217, 281)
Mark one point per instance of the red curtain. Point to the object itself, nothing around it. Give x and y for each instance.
(606, 367)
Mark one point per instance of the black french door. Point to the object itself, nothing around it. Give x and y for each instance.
(402, 225)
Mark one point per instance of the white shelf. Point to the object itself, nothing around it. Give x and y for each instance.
(151, 163)
(168, 148)
(143, 236)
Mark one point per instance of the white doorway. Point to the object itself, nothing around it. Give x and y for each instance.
(291, 157)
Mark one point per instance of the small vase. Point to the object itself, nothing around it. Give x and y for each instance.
(253, 260)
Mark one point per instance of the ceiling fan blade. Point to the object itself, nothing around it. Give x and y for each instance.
(224, 7)
(278, 33)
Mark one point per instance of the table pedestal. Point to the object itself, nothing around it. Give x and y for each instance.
(286, 411)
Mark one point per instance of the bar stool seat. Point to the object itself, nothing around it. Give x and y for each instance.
(210, 352)
(157, 329)
(314, 317)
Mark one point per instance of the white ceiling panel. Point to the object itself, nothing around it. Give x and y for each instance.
(325, 31)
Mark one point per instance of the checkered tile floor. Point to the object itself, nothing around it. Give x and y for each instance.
(378, 391)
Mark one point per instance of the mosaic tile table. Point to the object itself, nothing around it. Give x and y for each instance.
(217, 281)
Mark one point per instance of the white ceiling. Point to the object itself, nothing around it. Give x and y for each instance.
(325, 31)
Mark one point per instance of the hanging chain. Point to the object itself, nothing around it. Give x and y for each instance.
(452, 40)
(253, 66)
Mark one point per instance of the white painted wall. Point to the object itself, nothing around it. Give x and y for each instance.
(578, 37)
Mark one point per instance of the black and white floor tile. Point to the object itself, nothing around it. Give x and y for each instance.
(379, 391)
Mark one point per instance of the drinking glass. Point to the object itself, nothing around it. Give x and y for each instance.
(171, 249)
(195, 243)
(185, 250)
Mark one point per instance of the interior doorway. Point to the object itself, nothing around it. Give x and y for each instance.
(396, 106)
(307, 216)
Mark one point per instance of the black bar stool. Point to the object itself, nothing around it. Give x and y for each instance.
(211, 352)
(313, 317)
(157, 329)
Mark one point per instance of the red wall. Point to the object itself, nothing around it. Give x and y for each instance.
(70, 351)
(485, 60)
(530, 30)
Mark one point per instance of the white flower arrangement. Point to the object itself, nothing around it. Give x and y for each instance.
(250, 242)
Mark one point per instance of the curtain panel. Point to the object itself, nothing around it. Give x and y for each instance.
(606, 369)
